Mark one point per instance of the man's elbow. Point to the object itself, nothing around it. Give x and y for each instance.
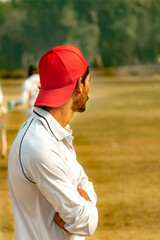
(92, 224)
(84, 226)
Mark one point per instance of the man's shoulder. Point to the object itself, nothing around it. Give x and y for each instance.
(36, 136)
(34, 78)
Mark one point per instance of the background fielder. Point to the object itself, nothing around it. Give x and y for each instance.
(30, 89)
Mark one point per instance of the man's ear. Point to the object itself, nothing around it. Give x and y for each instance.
(79, 86)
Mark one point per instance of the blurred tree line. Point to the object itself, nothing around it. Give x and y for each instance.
(109, 32)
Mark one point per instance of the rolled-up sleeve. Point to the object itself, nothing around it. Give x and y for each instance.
(85, 184)
(49, 171)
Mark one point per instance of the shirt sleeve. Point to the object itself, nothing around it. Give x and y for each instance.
(49, 172)
(85, 184)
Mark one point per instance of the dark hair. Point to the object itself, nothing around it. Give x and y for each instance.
(45, 108)
(85, 75)
(32, 68)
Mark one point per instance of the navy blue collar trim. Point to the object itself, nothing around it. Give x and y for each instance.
(46, 122)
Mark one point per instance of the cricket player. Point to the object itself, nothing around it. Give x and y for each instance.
(51, 195)
(30, 89)
(3, 137)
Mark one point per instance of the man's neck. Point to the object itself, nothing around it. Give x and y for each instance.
(62, 115)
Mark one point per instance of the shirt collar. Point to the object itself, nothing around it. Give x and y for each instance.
(57, 130)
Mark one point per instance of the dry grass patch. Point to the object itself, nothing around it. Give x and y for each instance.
(117, 141)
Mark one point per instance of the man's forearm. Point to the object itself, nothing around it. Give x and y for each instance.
(59, 221)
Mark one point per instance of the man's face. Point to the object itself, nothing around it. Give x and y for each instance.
(80, 104)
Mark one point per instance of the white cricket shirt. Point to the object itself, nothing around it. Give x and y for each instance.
(43, 176)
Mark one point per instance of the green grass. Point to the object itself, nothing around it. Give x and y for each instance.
(117, 140)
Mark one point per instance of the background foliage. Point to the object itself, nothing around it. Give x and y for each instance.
(109, 32)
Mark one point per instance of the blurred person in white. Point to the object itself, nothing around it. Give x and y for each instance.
(3, 137)
(30, 89)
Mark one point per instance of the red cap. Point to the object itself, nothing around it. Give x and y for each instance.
(59, 69)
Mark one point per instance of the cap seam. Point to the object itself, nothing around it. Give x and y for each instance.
(59, 87)
(75, 53)
(52, 50)
(63, 63)
(64, 66)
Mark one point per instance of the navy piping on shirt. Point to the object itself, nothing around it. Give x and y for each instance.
(20, 152)
(22, 141)
(47, 123)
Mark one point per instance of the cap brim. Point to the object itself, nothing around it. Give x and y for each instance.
(55, 97)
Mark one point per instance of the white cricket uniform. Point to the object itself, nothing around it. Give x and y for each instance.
(30, 89)
(3, 137)
(43, 176)
(1, 96)
(2, 108)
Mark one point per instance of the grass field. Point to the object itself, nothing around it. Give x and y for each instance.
(117, 141)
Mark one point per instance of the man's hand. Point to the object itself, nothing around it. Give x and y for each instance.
(59, 221)
(83, 194)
